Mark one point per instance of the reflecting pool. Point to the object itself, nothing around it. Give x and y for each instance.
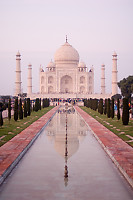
(66, 162)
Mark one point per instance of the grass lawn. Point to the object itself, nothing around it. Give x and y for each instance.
(114, 125)
(12, 128)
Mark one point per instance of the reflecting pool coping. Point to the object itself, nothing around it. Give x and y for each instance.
(118, 150)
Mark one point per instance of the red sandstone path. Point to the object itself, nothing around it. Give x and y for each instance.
(119, 151)
(12, 151)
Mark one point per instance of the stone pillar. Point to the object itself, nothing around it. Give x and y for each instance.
(114, 75)
(29, 85)
(102, 79)
(18, 75)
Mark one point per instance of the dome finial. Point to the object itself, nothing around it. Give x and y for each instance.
(66, 38)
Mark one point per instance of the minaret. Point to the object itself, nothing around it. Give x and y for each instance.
(102, 79)
(29, 85)
(18, 75)
(114, 75)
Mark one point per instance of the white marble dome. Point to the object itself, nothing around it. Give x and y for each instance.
(66, 53)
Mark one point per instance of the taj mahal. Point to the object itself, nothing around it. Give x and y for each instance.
(66, 77)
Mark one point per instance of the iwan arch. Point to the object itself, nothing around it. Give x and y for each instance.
(66, 77)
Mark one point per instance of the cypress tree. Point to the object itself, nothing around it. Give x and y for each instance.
(108, 108)
(9, 109)
(37, 104)
(40, 104)
(112, 108)
(96, 104)
(87, 103)
(20, 109)
(125, 113)
(1, 117)
(16, 110)
(43, 103)
(47, 102)
(118, 109)
(100, 106)
(25, 108)
(105, 107)
(28, 107)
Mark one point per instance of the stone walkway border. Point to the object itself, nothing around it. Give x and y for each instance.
(14, 150)
(120, 152)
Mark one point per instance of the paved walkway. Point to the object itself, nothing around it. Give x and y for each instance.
(12, 151)
(120, 152)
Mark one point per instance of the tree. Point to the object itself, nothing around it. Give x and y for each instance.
(118, 109)
(100, 106)
(132, 88)
(112, 108)
(1, 118)
(9, 109)
(125, 86)
(28, 107)
(125, 113)
(40, 104)
(116, 96)
(16, 110)
(25, 108)
(20, 109)
(105, 107)
(43, 103)
(108, 108)
(37, 104)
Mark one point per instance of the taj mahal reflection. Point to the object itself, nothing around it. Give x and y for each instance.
(66, 131)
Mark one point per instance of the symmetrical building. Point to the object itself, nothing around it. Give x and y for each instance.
(66, 77)
(66, 74)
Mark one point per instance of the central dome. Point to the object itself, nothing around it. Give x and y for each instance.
(66, 53)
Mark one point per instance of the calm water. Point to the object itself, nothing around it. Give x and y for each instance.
(66, 162)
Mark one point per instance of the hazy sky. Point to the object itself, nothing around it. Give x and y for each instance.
(37, 28)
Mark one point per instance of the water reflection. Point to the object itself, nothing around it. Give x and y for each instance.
(66, 157)
(66, 131)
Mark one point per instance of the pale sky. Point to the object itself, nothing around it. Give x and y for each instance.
(37, 28)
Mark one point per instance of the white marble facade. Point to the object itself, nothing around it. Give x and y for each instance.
(66, 75)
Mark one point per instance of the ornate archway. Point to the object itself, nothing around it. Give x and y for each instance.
(66, 84)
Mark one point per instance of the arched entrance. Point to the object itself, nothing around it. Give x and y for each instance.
(66, 85)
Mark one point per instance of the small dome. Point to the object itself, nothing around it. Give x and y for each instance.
(66, 53)
(51, 64)
(82, 64)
